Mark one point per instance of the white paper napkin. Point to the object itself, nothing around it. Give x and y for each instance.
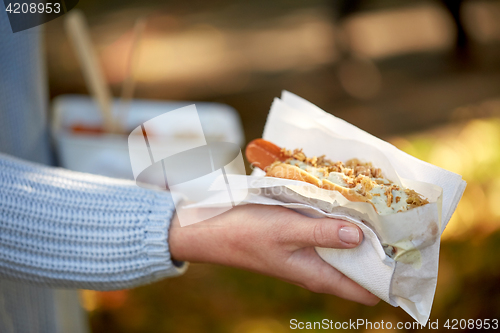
(406, 165)
(410, 281)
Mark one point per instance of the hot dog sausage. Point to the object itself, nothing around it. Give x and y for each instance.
(262, 153)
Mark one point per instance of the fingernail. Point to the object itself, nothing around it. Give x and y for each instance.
(349, 235)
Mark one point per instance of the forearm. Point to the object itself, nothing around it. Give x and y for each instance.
(68, 229)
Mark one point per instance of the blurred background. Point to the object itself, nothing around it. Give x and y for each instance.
(423, 75)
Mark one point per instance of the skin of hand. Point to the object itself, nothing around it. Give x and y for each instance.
(273, 241)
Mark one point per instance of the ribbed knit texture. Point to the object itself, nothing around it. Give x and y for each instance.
(60, 228)
(67, 229)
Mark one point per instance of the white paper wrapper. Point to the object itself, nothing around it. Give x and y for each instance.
(408, 280)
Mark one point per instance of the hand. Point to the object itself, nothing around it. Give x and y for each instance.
(274, 241)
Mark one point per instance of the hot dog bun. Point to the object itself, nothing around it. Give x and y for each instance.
(356, 181)
(292, 172)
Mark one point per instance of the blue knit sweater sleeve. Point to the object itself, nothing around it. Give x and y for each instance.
(66, 229)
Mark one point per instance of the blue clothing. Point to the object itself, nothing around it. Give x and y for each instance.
(60, 228)
(67, 229)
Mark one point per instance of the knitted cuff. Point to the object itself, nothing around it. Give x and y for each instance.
(156, 239)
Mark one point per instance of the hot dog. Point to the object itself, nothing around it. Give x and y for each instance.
(262, 153)
(356, 181)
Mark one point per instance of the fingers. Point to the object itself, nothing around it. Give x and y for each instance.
(320, 277)
(323, 232)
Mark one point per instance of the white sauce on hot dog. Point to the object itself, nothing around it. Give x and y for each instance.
(378, 192)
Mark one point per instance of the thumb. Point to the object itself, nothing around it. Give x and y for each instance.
(327, 232)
